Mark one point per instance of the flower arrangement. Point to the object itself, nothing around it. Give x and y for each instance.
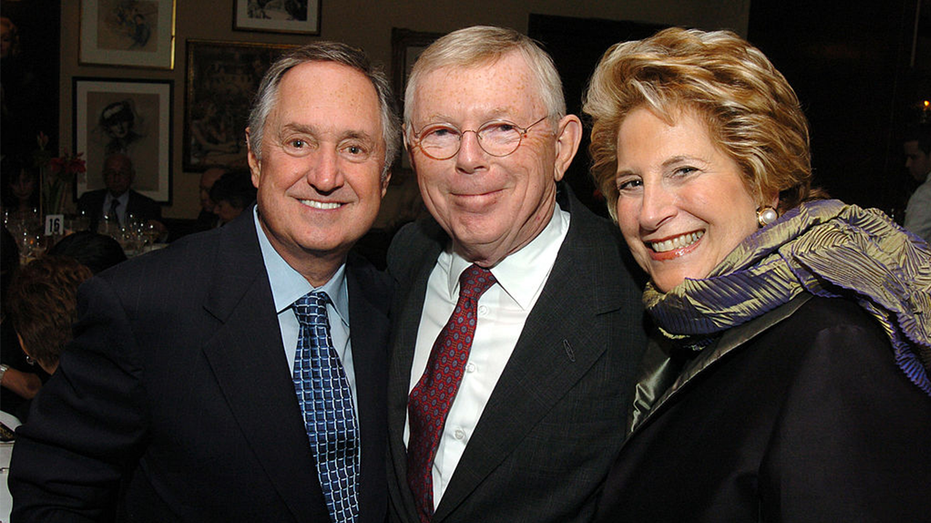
(58, 175)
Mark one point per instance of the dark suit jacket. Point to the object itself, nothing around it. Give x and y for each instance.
(556, 418)
(140, 205)
(799, 415)
(175, 399)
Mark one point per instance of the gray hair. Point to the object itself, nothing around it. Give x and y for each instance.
(479, 45)
(267, 96)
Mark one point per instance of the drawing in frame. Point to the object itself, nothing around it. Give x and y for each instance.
(138, 33)
(288, 16)
(132, 117)
(221, 79)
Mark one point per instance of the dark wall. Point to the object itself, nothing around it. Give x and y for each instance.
(30, 78)
(576, 45)
(850, 65)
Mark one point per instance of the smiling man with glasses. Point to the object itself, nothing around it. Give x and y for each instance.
(518, 327)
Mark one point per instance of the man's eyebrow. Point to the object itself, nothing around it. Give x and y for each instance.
(313, 131)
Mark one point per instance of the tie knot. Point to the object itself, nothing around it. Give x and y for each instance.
(310, 308)
(474, 281)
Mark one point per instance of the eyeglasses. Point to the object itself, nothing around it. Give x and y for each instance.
(497, 138)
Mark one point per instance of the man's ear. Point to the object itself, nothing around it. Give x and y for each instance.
(385, 180)
(568, 136)
(255, 166)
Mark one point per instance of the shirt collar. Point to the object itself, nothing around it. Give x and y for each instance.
(521, 274)
(288, 285)
(123, 199)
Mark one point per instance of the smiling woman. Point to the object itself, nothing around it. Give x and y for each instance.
(786, 322)
(671, 183)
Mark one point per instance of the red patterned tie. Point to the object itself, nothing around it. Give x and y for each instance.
(434, 393)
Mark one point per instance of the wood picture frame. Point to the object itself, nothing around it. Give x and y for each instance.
(221, 80)
(406, 46)
(286, 16)
(137, 33)
(132, 117)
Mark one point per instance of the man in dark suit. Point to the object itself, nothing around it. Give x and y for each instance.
(509, 385)
(178, 400)
(118, 200)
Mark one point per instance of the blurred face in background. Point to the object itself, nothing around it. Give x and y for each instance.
(207, 179)
(23, 185)
(118, 174)
(916, 161)
(226, 211)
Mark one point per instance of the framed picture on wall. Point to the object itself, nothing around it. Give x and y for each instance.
(222, 78)
(406, 46)
(131, 117)
(139, 33)
(277, 16)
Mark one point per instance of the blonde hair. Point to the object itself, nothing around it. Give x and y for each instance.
(751, 112)
(479, 45)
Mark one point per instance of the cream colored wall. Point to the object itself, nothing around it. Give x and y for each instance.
(365, 24)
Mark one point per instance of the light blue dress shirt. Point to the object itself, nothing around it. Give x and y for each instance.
(287, 286)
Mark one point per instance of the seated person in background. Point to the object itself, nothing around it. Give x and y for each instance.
(788, 378)
(232, 193)
(19, 381)
(118, 199)
(917, 147)
(94, 250)
(207, 219)
(19, 189)
(43, 304)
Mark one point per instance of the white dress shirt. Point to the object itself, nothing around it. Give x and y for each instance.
(918, 212)
(287, 286)
(502, 312)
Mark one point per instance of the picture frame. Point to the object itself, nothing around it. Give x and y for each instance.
(289, 16)
(406, 46)
(132, 117)
(136, 33)
(221, 80)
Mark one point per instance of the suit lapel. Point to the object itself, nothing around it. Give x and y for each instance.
(550, 357)
(250, 366)
(408, 307)
(369, 330)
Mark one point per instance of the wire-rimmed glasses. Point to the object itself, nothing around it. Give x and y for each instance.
(498, 138)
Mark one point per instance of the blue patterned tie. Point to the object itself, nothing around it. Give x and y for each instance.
(326, 402)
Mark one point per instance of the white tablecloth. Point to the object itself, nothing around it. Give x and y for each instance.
(6, 452)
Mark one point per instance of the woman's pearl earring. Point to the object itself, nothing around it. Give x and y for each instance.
(766, 216)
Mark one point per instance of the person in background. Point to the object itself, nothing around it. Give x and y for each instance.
(788, 378)
(238, 374)
(232, 194)
(43, 305)
(19, 190)
(96, 251)
(532, 413)
(207, 219)
(118, 200)
(19, 382)
(917, 147)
